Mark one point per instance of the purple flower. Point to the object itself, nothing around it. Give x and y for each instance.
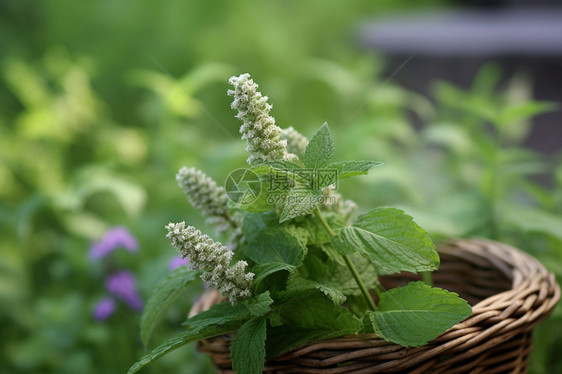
(178, 261)
(123, 285)
(104, 309)
(113, 239)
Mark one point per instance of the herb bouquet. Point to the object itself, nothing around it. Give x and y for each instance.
(296, 268)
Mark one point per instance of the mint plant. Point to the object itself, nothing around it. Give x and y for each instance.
(300, 270)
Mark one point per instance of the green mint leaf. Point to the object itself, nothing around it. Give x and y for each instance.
(340, 276)
(391, 240)
(267, 241)
(223, 314)
(332, 253)
(280, 176)
(163, 296)
(248, 347)
(417, 313)
(177, 342)
(332, 292)
(260, 205)
(299, 203)
(331, 278)
(283, 165)
(312, 310)
(316, 235)
(265, 270)
(260, 305)
(348, 169)
(276, 178)
(220, 319)
(320, 149)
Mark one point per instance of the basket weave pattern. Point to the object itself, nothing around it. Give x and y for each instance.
(510, 291)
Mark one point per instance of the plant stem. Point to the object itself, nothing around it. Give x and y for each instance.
(348, 261)
(427, 277)
(493, 193)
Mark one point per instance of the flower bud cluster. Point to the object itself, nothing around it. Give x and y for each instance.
(341, 206)
(259, 129)
(203, 192)
(296, 142)
(211, 200)
(213, 259)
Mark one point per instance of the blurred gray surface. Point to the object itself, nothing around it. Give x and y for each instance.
(471, 33)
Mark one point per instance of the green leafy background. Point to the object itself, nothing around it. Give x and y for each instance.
(102, 102)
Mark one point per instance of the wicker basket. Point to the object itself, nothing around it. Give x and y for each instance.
(509, 290)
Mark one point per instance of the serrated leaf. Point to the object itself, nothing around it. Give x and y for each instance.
(219, 314)
(417, 313)
(320, 320)
(220, 319)
(320, 149)
(279, 176)
(316, 234)
(332, 253)
(267, 241)
(391, 240)
(313, 310)
(260, 305)
(299, 284)
(262, 204)
(284, 165)
(265, 270)
(248, 347)
(339, 275)
(348, 169)
(332, 292)
(331, 278)
(299, 203)
(163, 296)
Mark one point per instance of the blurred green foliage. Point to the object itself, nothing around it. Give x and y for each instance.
(102, 102)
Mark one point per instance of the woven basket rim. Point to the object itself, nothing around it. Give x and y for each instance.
(495, 320)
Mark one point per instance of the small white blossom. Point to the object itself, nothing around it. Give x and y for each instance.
(211, 200)
(296, 142)
(213, 259)
(259, 129)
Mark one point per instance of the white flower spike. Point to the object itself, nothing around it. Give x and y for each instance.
(203, 192)
(213, 259)
(259, 129)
